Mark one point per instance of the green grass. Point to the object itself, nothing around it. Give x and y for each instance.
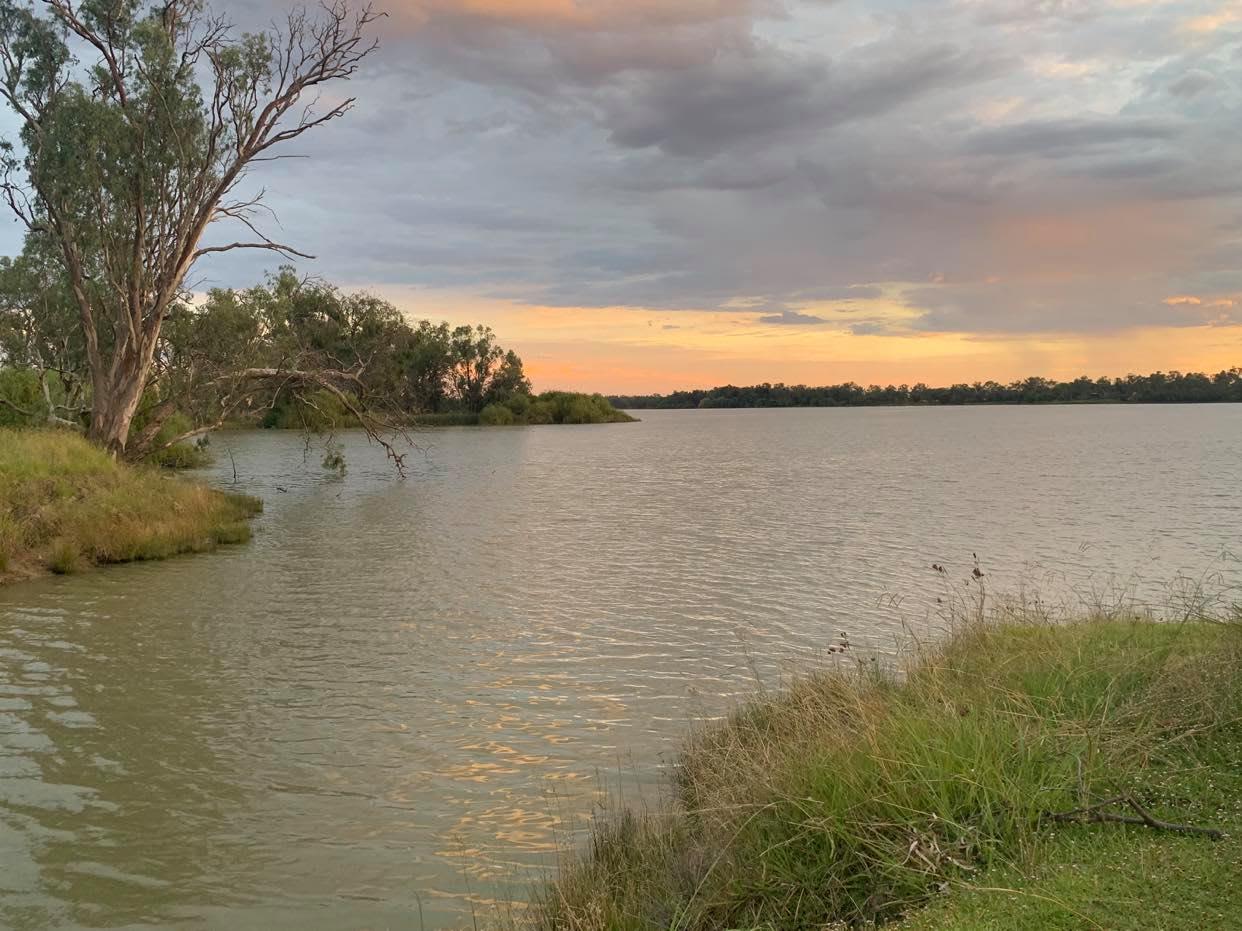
(66, 505)
(859, 797)
(1121, 877)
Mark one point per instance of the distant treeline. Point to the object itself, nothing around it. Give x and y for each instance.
(1157, 388)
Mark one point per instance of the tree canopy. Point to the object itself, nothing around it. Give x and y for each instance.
(291, 351)
(140, 121)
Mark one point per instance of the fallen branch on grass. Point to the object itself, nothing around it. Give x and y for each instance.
(1094, 814)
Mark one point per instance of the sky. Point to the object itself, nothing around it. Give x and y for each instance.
(646, 195)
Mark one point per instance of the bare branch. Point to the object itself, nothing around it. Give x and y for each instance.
(287, 251)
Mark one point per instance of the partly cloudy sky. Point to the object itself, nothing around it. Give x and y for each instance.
(656, 194)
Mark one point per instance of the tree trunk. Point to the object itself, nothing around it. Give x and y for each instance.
(114, 405)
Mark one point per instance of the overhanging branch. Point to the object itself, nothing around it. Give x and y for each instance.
(287, 251)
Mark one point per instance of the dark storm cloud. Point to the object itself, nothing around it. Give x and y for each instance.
(765, 93)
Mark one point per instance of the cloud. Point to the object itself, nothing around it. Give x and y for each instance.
(853, 292)
(761, 92)
(870, 328)
(554, 46)
(1056, 138)
(791, 318)
(789, 159)
(1191, 83)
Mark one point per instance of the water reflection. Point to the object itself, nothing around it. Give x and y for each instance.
(396, 696)
(102, 759)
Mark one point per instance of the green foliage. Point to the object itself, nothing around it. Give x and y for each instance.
(183, 455)
(426, 358)
(319, 411)
(552, 407)
(541, 412)
(67, 505)
(566, 407)
(496, 415)
(519, 405)
(855, 796)
(40, 339)
(482, 372)
(21, 400)
(381, 363)
(1157, 388)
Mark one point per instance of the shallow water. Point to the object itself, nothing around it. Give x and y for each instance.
(392, 698)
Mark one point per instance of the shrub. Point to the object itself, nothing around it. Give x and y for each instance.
(180, 455)
(541, 412)
(519, 404)
(496, 415)
(20, 388)
(64, 557)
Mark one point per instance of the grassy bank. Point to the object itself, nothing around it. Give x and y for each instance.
(65, 505)
(939, 796)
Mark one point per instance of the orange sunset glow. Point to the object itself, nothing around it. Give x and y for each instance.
(634, 350)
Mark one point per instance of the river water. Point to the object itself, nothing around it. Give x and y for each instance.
(386, 709)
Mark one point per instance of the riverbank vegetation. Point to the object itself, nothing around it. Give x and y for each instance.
(1025, 774)
(1157, 388)
(290, 353)
(65, 505)
(552, 407)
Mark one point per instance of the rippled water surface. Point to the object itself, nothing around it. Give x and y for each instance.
(389, 701)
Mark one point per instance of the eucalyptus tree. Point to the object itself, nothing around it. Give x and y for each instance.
(481, 371)
(290, 341)
(139, 123)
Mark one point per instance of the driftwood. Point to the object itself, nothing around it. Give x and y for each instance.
(1095, 814)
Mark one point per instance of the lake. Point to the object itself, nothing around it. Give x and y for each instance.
(403, 692)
